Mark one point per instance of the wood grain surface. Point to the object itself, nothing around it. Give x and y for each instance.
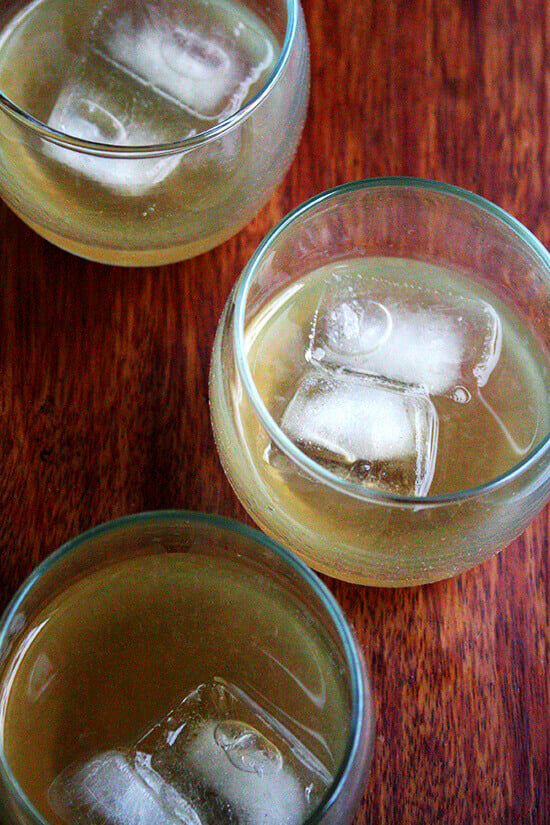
(104, 410)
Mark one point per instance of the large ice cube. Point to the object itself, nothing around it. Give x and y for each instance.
(243, 768)
(226, 753)
(199, 58)
(365, 429)
(445, 343)
(118, 788)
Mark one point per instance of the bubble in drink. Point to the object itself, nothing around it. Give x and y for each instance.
(365, 429)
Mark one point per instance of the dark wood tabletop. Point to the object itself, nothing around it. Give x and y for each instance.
(104, 408)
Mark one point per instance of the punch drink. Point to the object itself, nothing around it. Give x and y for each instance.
(165, 690)
(373, 401)
(128, 82)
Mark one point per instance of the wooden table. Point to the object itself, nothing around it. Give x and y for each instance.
(103, 404)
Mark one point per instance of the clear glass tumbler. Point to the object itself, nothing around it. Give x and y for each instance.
(379, 383)
(178, 667)
(140, 133)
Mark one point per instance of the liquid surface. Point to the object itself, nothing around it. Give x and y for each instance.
(397, 376)
(161, 691)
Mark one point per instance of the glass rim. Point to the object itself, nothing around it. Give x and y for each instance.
(305, 463)
(171, 147)
(360, 686)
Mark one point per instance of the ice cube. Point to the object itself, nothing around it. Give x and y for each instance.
(365, 429)
(93, 110)
(446, 344)
(200, 59)
(204, 763)
(154, 75)
(115, 788)
(244, 768)
(234, 761)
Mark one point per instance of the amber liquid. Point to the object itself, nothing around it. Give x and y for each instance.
(479, 429)
(58, 62)
(178, 663)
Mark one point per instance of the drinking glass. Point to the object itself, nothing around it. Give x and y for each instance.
(332, 442)
(180, 663)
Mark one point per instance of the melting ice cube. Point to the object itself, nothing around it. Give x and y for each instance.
(204, 763)
(201, 60)
(240, 766)
(365, 429)
(117, 788)
(446, 345)
(255, 768)
(85, 110)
